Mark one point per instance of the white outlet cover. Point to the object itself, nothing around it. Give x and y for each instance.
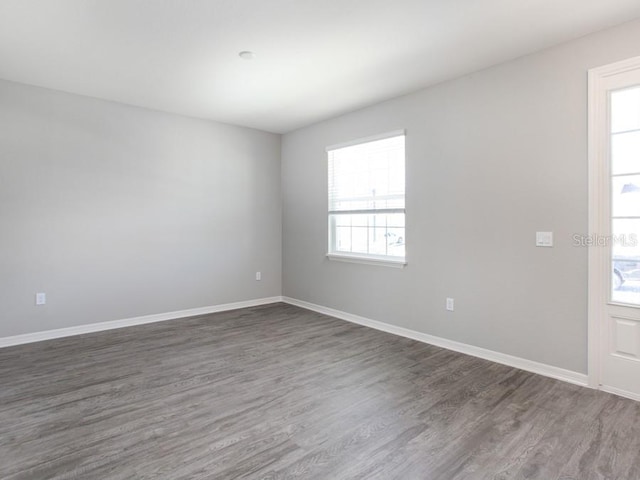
(544, 239)
(450, 304)
(41, 298)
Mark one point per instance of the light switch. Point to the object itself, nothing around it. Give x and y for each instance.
(544, 239)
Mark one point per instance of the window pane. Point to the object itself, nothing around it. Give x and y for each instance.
(625, 110)
(370, 234)
(367, 176)
(395, 242)
(625, 153)
(625, 196)
(377, 241)
(343, 220)
(625, 257)
(343, 239)
(395, 236)
(359, 220)
(359, 240)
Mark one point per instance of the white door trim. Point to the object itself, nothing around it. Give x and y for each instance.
(598, 210)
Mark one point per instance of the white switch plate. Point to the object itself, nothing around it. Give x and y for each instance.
(450, 304)
(544, 239)
(41, 298)
(258, 276)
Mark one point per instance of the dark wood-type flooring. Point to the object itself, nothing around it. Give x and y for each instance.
(278, 392)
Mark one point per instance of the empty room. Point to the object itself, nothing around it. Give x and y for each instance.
(304, 239)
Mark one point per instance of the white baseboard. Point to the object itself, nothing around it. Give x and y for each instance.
(517, 362)
(620, 393)
(128, 322)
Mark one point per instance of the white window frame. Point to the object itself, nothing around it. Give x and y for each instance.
(367, 259)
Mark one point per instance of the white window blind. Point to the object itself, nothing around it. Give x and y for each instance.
(367, 198)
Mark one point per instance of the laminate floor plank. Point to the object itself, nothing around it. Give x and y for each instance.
(277, 392)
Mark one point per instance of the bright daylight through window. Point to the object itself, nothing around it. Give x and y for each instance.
(366, 199)
(625, 196)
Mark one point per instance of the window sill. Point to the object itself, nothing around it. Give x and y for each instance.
(382, 262)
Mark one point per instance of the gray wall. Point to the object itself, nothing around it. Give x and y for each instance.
(491, 158)
(116, 211)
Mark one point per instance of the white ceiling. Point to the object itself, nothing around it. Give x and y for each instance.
(314, 58)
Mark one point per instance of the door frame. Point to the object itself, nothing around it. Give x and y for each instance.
(598, 151)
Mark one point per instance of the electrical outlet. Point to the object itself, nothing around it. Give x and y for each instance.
(41, 298)
(450, 304)
(258, 276)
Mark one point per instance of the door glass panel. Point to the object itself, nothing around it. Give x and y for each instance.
(625, 110)
(625, 196)
(625, 261)
(625, 153)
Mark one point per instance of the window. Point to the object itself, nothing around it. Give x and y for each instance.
(366, 200)
(624, 141)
